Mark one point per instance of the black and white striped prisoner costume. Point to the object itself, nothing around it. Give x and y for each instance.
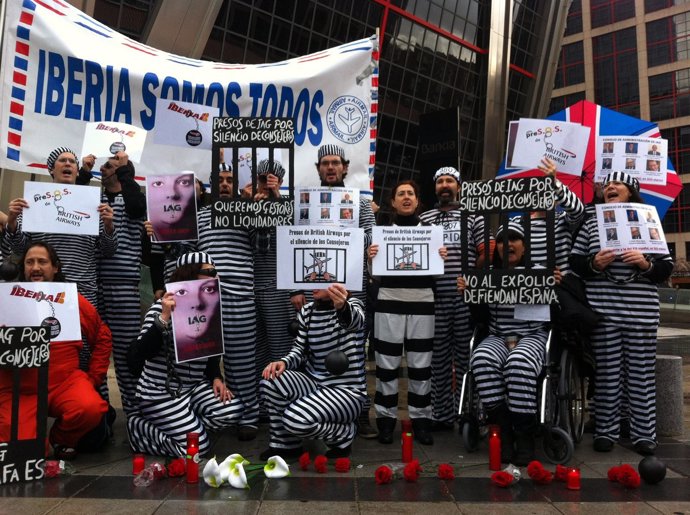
(502, 374)
(573, 210)
(404, 318)
(307, 401)
(119, 278)
(624, 342)
(79, 256)
(453, 329)
(175, 398)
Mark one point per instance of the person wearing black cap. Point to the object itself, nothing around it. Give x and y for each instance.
(507, 363)
(453, 328)
(175, 399)
(622, 289)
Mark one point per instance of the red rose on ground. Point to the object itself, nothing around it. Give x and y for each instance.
(411, 471)
(445, 471)
(538, 473)
(304, 461)
(177, 468)
(628, 477)
(502, 478)
(383, 475)
(51, 468)
(321, 464)
(534, 468)
(561, 473)
(159, 471)
(342, 464)
(613, 473)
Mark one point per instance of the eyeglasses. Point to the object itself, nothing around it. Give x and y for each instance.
(208, 272)
(69, 160)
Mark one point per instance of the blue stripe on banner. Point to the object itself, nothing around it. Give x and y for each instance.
(372, 146)
(92, 29)
(269, 65)
(194, 65)
(13, 154)
(23, 33)
(15, 124)
(366, 48)
(18, 93)
(21, 63)
(28, 4)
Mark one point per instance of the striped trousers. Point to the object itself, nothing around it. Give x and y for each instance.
(500, 373)
(122, 312)
(392, 333)
(452, 335)
(298, 408)
(160, 427)
(626, 357)
(239, 359)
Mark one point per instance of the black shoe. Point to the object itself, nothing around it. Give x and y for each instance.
(286, 454)
(386, 425)
(645, 448)
(625, 428)
(246, 433)
(339, 452)
(364, 428)
(602, 444)
(438, 426)
(524, 428)
(421, 430)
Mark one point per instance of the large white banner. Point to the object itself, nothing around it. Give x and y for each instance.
(62, 70)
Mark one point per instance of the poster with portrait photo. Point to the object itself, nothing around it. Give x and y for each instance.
(196, 319)
(408, 250)
(171, 202)
(630, 226)
(314, 257)
(47, 304)
(327, 206)
(183, 124)
(61, 208)
(643, 158)
(105, 139)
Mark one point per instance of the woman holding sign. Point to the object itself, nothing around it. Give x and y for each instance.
(622, 289)
(176, 398)
(404, 317)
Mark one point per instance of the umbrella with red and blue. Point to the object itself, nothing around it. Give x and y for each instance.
(606, 122)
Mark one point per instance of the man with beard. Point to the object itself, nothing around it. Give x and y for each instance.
(453, 329)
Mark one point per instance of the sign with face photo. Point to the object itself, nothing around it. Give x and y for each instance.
(172, 209)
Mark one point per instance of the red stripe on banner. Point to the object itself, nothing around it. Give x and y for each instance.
(43, 4)
(26, 18)
(38, 165)
(60, 3)
(14, 139)
(139, 49)
(372, 134)
(22, 48)
(375, 82)
(17, 108)
(316, 58)
(19, 78)
(374, 108)
(372, 158)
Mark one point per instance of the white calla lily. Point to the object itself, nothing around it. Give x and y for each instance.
(238, 478)
(212, 476)
(276, 468)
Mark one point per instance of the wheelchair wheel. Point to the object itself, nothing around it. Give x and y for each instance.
(558, 445)
(470, 435)
(572, 391)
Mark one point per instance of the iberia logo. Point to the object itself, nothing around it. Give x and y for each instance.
(18, 291)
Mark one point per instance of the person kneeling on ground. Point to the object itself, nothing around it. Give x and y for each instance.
(73, 400)
(319, 388)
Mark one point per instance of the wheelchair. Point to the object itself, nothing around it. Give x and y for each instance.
(562, 393)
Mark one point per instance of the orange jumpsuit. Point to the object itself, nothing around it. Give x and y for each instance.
(73, 399)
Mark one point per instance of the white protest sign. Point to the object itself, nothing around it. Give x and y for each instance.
(630, 226)
(171, 201)
(327, 206)
(642, 158)
(52, 305)
(105, 139)
(407, 250)
(183, 124)
(563, 142)
(313, 258)
(61, 208)
(62, 69)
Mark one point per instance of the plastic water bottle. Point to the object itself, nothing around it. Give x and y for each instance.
(149, 474)
(55, 468)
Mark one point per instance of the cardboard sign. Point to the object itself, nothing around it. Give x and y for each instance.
(630, 226)
(643, 158)
(196, 319)
(327, 206)
(494, 196)
(172, 210)
(105, 139)
(313, 257)
(61, 208)
(516, 286)
(184, 124)
(24, 347)
(407, 250)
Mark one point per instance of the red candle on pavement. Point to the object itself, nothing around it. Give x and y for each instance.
(494, 448)
(192, 457)
(573, 480)
(407, 447)
(138, 463)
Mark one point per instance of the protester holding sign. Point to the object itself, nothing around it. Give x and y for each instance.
(175, 399)
(453, 331)
(507, 363)
(318, 389)
(622, 289)
(73, 400)
(404, 318)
